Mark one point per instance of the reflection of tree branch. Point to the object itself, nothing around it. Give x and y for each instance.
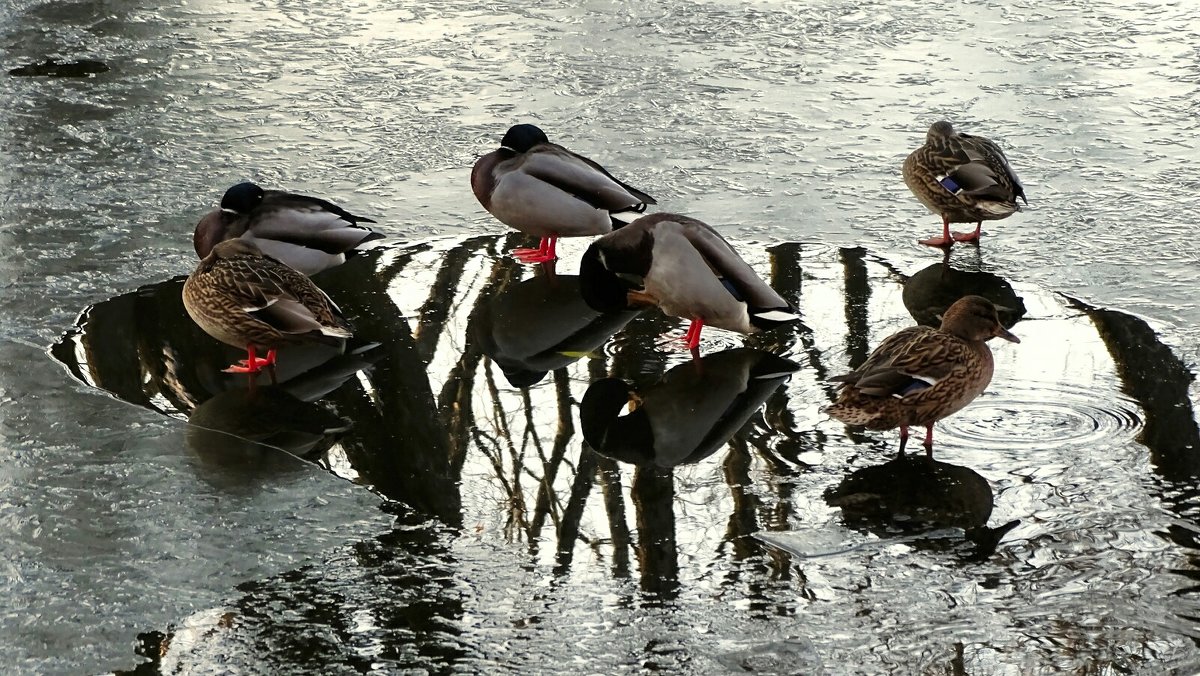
(787, 278)
(614, 506)
(398, 445)
(531, 426)
(653, 500)
(396, 265)
(742, 521)
(858, 299)
(1152, 374)
(761, 444)
(566, 429)
(442, 294)
(516, 497)
(568, 531)
(454, 400)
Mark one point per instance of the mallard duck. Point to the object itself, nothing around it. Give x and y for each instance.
(920, 375)
(306, 233)
(246, 299)
(685, 268)
(962, 178)
(543, 189)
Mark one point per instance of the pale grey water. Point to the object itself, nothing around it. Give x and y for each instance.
(776, 122)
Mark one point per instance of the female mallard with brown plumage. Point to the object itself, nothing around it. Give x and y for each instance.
(920, 375)
(245, 299)
(963, 179)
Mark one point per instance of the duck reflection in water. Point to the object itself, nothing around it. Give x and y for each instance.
(537, 325)
(687, 415)
(915, 494)
(242, 429)
(920, 375)
(933, 289)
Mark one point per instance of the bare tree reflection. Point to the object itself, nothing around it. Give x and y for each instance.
(470, 407)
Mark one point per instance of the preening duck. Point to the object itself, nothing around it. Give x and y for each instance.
(963, 179)
(919, 375)
(545, 190)
(306, 233)
(685, 268)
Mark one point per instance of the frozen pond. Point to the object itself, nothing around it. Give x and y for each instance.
(461, 523)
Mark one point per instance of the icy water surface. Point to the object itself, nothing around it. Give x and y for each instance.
(430, 502)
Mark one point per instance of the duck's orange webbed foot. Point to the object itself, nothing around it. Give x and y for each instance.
(543, 254)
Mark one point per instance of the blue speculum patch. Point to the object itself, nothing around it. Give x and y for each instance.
(913, 387)
(949, 184)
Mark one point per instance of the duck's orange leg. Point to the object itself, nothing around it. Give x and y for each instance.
(692, 337)
(945, 240)
(903, 438)
(252, 364)
(969, 236)
(929, 440)
(543, 254)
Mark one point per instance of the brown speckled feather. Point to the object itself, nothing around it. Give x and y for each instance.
(241, 297)
(920, 375)
(961, 177)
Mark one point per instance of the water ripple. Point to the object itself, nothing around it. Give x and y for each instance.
(1050, 415)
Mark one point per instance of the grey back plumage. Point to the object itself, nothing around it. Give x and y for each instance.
(307, 233)
(689, 270)
(543, 189)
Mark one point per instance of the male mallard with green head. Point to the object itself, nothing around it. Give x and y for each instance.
(963, 179)
(920, 375)
(685, 268)
(545, 190)
(306, 233)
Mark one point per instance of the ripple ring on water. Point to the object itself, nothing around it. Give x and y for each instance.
(1048, 414)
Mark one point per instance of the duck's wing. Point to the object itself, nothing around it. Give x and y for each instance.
(907, 362)
(643, 197)
(737, 276)
(986, 151)
(971, 168)
(308, 222)
(288, 199)
(582, 178)
(280, 297)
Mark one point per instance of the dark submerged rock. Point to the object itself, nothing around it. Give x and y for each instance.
(56, 68)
